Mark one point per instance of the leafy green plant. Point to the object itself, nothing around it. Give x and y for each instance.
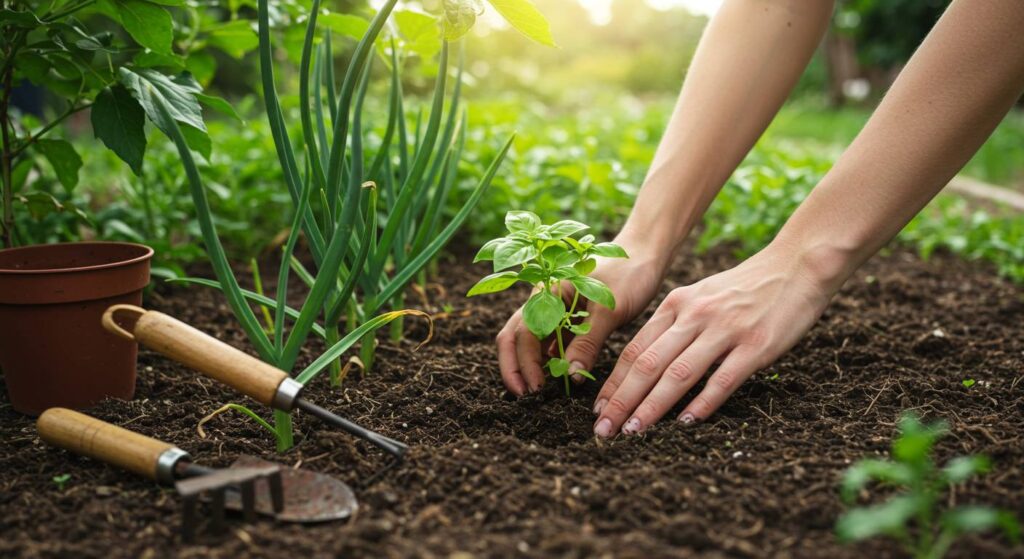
(545, 256)
(55, 45)
(333, 185)
(913, 516)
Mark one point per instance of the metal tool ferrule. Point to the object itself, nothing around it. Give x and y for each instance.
(166, 462)
(287, 392)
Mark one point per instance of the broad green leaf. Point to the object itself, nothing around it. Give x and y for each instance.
(147, 23)
(580, 329)
(915, 441)
(458, 17)
(219, 105)
(420, 33)
(493, 283)
(202, 65)
(119, 122)
(198, 140)
(868, 470)
(40, 204)
(543, 313)
(888, 518)
(64, 160)
(594, 290)
(532, 274)
(150, 59)
(513, 253)
(517, 220)
(585, 267)
(235, 38)
(558, 367)
(563, 229)
(486, 252)
(962, 468)
(608, 250)
(345, 24)
(526, 18)
(20, 18)
(971, 518)
(149, 86)
(565, 272)
(33, 66)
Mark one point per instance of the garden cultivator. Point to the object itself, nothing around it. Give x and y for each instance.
(250, 485)
(254, 378)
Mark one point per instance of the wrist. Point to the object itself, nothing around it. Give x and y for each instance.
(646, 247)
(824, 263)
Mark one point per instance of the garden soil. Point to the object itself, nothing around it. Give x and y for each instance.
(493, 476)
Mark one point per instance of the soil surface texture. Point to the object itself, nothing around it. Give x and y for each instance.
(489, 475)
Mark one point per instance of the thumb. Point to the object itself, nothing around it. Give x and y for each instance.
(582, 352)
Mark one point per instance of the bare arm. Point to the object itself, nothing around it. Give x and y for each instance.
(750, 57)
(953, 92)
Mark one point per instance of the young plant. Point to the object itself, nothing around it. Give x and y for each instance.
(61, 481)
(547, 257)
(913, 516)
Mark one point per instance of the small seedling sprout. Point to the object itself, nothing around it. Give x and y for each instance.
(548, 257)
(912, 516)
(61, 481)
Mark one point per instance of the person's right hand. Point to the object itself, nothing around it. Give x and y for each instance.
(634, 281)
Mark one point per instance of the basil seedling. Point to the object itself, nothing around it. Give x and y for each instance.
(548, 256)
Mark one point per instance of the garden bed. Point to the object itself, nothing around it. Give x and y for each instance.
(489, 475)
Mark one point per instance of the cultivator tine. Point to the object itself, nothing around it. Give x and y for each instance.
(215, 485)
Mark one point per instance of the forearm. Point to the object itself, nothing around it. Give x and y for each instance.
(956, 88)
(748, 60)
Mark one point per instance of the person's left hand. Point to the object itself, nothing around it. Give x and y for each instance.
(745, 318)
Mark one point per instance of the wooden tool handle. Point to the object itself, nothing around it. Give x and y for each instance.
(193, 348)
(97, 439)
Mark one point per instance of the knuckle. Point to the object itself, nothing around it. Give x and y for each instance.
(647, 363)
(700, 308)
(632, 352)
(680, 371)
(700, 407)
(585, 346)
(616, 407)
(727, 381)
(650, 410)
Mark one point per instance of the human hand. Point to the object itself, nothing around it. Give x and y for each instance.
(745, 318)
(633, 281)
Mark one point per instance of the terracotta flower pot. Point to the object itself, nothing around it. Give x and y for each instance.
(53, 349)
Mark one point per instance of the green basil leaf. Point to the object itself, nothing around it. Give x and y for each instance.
(493, 283)
(119, 122)
(543, 313)
(521, 221)
(486, 252)
(580, 329)
(608, 250)
(513, 253)
(558, 367)
(532, 274)
(564, 228)
(594, 290)
(585, 267)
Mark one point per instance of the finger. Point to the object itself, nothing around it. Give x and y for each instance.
(678, 378)
(734, 370)
(528, 352)
(642, 375)
(508, 361)
(583, 349)
(655, 327)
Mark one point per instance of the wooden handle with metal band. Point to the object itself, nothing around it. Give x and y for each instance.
(206, 354)
(98, 439)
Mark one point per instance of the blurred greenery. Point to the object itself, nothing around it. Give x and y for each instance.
(588, 116)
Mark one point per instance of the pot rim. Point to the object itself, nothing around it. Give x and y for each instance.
(146, 255)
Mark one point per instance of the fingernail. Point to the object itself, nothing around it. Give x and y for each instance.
(577, 379)
(687, 418)
(603, 428)
(599, 406)
(631, 427)
(575, 366)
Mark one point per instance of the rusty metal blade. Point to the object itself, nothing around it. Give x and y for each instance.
(308, 496)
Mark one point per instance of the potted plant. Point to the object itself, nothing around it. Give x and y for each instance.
(53, 350)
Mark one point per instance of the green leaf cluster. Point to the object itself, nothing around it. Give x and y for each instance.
(545, 256)
(913, 516)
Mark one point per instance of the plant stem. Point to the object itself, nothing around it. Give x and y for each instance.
(283, 427)
(397, 327)
(367, 350)
(6, 158)
(31, 139)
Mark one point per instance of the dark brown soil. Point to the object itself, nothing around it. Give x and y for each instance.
(492, 476)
